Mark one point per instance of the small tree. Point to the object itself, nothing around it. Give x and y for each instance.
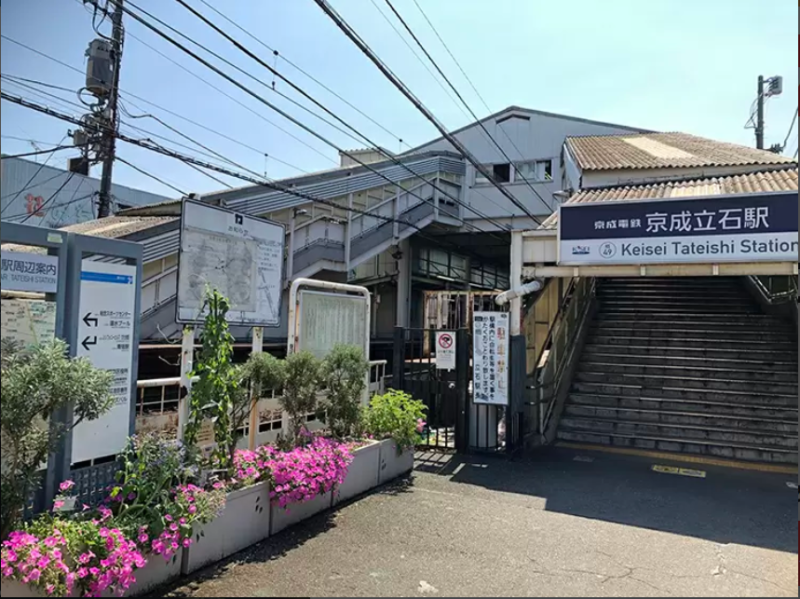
(217, 390)
(35, 384)
(261, 374)
(343, 374)
(300, 390)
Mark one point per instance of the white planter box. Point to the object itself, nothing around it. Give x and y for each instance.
(13, 588)
(296, 512)
(392, 463)
(362, 474)
(157, 572)
(243, 523)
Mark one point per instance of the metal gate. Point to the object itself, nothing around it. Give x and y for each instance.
(444, 392)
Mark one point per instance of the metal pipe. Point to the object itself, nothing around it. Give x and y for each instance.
(521, 291)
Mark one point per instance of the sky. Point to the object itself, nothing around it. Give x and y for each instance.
(667, 65)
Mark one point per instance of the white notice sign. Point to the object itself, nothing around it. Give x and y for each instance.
(21, 271)
(445, 350)
(490, 358)
(328, 319)
(105, 336)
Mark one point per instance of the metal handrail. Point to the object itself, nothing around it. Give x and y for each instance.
(772, 297)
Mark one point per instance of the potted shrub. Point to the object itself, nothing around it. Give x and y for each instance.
(299, 397)
(35, 384)
(343, 376)
(397, 419)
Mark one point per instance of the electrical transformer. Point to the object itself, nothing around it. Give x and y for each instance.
(99, 68)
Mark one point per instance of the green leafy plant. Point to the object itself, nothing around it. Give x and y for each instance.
(395, 415)
(36, 383)
(300, 390)
(343, 375)
(217, 390)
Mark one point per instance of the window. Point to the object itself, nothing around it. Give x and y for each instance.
(534, 170)
(501, 173)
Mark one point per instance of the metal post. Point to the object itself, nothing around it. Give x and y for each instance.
(348, 233)
(187, 366)
(515, 280)
(110, 132)
(462, 387)
(258, 347)
(760, 114)
(399, 358)
(290, 255)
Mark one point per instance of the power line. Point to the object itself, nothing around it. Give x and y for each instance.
(74, 200)
(51, 198)
(152, 176)
(211, 85)
(224, 93)
(304, 72)
(37, 153)
(419, 59)
(463, 101)
(789, 132)
(28, 186)
(463, 72)
(302, 125)
(38, 142)
(367, 51)
(36, 174)
(260, 182)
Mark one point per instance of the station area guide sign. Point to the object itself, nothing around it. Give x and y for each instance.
(105, 337)
(490, 358)
(240, 255)
(734, 228)
(22, 271)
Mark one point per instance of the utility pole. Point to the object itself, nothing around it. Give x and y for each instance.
(109, 141)
(760, 114)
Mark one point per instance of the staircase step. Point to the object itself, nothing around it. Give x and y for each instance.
(656, 308)
(680, 418)
(677, 390)
(724, 322)
(614, 299)
(635, 367)
(679, 331)
(756, 411)
(769, 439)
(659, 381)
(787, 356)
(680, 359)
(695, 317)
(662, 291)
(742, 452)
(777, 345)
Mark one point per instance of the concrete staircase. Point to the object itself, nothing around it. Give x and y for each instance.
(688, 365)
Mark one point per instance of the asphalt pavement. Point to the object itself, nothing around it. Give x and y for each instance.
(561, 523)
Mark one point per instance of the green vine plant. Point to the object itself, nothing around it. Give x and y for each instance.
(36, 383)
(217, 389)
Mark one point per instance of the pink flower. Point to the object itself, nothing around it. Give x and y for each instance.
(58, 504)
(143, 538)
(192, 509)
(82, 573)
(168, 518)
(35, 575)
(50, 588)
(187, 542)
(11, 556)
(66, 486)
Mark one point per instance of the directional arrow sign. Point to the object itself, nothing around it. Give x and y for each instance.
(90, 322)
(89, 341)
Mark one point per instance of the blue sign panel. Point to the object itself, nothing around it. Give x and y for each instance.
(742, 228)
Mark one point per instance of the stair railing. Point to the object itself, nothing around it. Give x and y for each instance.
(776, 289)
(559, 351)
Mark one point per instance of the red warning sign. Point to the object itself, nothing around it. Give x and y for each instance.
(445, 350)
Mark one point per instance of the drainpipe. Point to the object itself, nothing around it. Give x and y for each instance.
(517, 293)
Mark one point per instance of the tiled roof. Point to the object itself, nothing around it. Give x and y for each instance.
(663, 150)
(112, 227)
(781, 180)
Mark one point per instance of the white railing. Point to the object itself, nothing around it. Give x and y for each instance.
(159, 404)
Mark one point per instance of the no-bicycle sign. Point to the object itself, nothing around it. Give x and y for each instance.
(445, 350)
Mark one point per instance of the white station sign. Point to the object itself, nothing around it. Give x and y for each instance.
(22, 271)
(105, 337)
(490, 358)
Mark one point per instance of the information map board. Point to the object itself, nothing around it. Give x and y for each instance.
(327, 319)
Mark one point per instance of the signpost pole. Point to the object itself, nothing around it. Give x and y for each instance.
(258, 347)
(187, 366)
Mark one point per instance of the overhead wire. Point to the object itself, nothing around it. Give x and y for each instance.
(304, 72)
(464, 102)
(37, 153)
(54, 206)
(403, 88)
(151, 175)
(791, 128)
(33, 177)
(293, 119)
(51, 198)
(263, 182)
